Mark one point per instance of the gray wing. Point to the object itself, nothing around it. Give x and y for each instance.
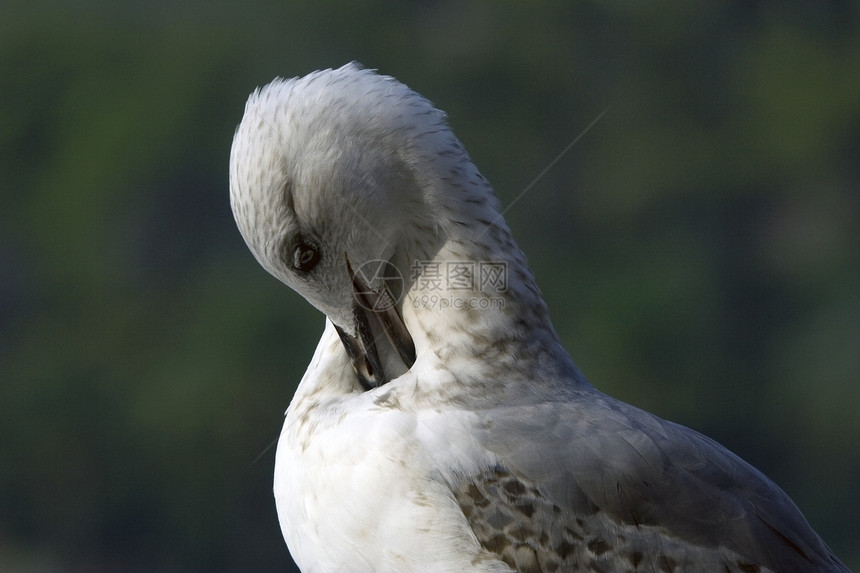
(600, 485)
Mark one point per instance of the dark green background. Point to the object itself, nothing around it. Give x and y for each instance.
(699, 247)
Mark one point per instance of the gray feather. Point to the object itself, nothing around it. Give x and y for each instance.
(624, 486)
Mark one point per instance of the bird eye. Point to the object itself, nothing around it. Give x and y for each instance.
(305, 256)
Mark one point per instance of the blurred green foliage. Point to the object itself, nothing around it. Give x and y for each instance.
(699, 248)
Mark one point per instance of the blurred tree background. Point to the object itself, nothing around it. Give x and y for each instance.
(699, 247)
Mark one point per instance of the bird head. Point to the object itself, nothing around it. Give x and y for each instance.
(325, 191)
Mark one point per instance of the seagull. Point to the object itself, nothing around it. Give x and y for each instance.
(441, 426)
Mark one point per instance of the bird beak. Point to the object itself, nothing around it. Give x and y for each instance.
(373, 312)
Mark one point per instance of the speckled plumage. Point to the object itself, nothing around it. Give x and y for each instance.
(490, 452)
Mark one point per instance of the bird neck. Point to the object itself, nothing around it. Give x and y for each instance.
(470, 291)
(477, 297)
